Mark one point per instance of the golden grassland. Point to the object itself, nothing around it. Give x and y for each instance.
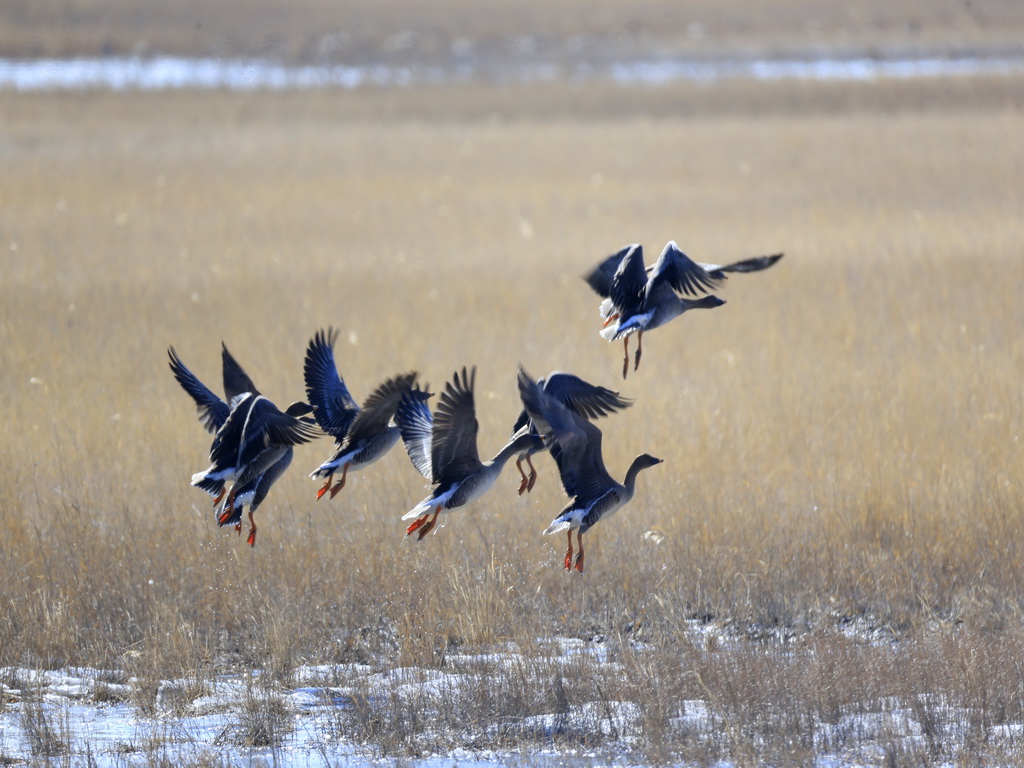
(842, 439)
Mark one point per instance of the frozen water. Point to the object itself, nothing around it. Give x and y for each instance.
(173, 72)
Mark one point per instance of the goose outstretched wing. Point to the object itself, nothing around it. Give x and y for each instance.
(332, 403)
(379, 407)
(415, 424)
(213, 411)
(454, 451)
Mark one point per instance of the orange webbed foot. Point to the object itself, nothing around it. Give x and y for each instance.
(568, 549)
(325, 488)
(251, 539)
(532, 479)
(341, 483)
(423, 525)
(418, 523)
(525, 480)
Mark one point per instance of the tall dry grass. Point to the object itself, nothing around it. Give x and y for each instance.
(842, 440)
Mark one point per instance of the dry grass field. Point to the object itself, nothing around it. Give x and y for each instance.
(841, 495)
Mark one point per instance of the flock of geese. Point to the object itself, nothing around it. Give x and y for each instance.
(254, 441)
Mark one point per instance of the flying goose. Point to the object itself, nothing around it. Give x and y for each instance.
(253, 437)
(588, 400)
(593, 494)
(213, 413)
(639, 298)
(362, 435)
(443, 447)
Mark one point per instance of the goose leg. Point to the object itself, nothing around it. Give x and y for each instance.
(429, 526)
(568, 552)
(625, 360)
(219, 496)
(229, 504)
(422, 525)
(326, 486)
(533, 474)
(524, 485)
(225, 519)
(251, 540)
(611, 319)
(341, 483)
(639, 349)
(229, 510)
(579, 557)
(416, 524)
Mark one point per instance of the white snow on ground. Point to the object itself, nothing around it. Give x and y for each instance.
(100, 718)
(172, 72)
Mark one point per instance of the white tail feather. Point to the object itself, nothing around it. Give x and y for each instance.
(419, 510)
(323, 470)
(222, 476)
(556, 526)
